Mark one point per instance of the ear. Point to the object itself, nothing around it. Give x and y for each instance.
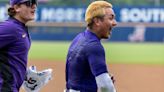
(17, 8)
(96, 21)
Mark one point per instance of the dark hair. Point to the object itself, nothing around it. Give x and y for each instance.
(90, 25)
(11, 12)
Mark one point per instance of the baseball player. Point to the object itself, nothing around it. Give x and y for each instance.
(15, 44)
(86, 69)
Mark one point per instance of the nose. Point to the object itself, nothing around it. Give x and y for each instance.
(114, 23)
(33, 6)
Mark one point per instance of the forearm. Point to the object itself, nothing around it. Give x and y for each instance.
(104, 83)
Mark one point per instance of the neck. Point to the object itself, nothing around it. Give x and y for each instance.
(95, 32)
(20, 19)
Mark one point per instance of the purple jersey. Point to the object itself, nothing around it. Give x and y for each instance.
(14, 47)
(85, 61)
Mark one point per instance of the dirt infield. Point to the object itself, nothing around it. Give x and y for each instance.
(129, 78)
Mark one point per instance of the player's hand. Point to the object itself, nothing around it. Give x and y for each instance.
(35, 80)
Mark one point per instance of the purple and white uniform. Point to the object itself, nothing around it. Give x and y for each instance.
(14, 47)
(85, 61)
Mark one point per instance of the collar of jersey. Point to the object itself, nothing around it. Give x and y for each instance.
(17, 21)
(90, 33)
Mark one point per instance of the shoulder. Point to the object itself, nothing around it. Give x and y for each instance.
(8, 31)
(7, 27)
(94, 47)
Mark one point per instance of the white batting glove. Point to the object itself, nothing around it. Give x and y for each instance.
(35, 80)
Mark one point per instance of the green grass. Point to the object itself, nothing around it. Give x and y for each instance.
(142, 53)
(134, 53)
(49, 50)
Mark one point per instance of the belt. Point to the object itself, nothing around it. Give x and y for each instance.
(71, 90)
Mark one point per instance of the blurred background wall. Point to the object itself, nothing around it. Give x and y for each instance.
(138, 20)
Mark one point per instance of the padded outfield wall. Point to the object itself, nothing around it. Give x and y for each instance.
(150, 34)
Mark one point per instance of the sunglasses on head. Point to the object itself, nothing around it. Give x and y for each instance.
(29, 3)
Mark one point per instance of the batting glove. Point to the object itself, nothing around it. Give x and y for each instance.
(35, 80)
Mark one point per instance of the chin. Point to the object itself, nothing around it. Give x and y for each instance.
(30, 19)
(109, 36)
(105, 37)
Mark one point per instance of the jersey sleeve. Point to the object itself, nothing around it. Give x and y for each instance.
(7, 36)
(96, 59)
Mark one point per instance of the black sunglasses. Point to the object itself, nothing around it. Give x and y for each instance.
(29, 3)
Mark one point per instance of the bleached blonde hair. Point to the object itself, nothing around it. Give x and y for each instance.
(96, 9)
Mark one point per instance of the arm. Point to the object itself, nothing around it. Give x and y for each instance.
(104, 83)
(96, 58)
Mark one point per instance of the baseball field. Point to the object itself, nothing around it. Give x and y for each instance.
(137, 67)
